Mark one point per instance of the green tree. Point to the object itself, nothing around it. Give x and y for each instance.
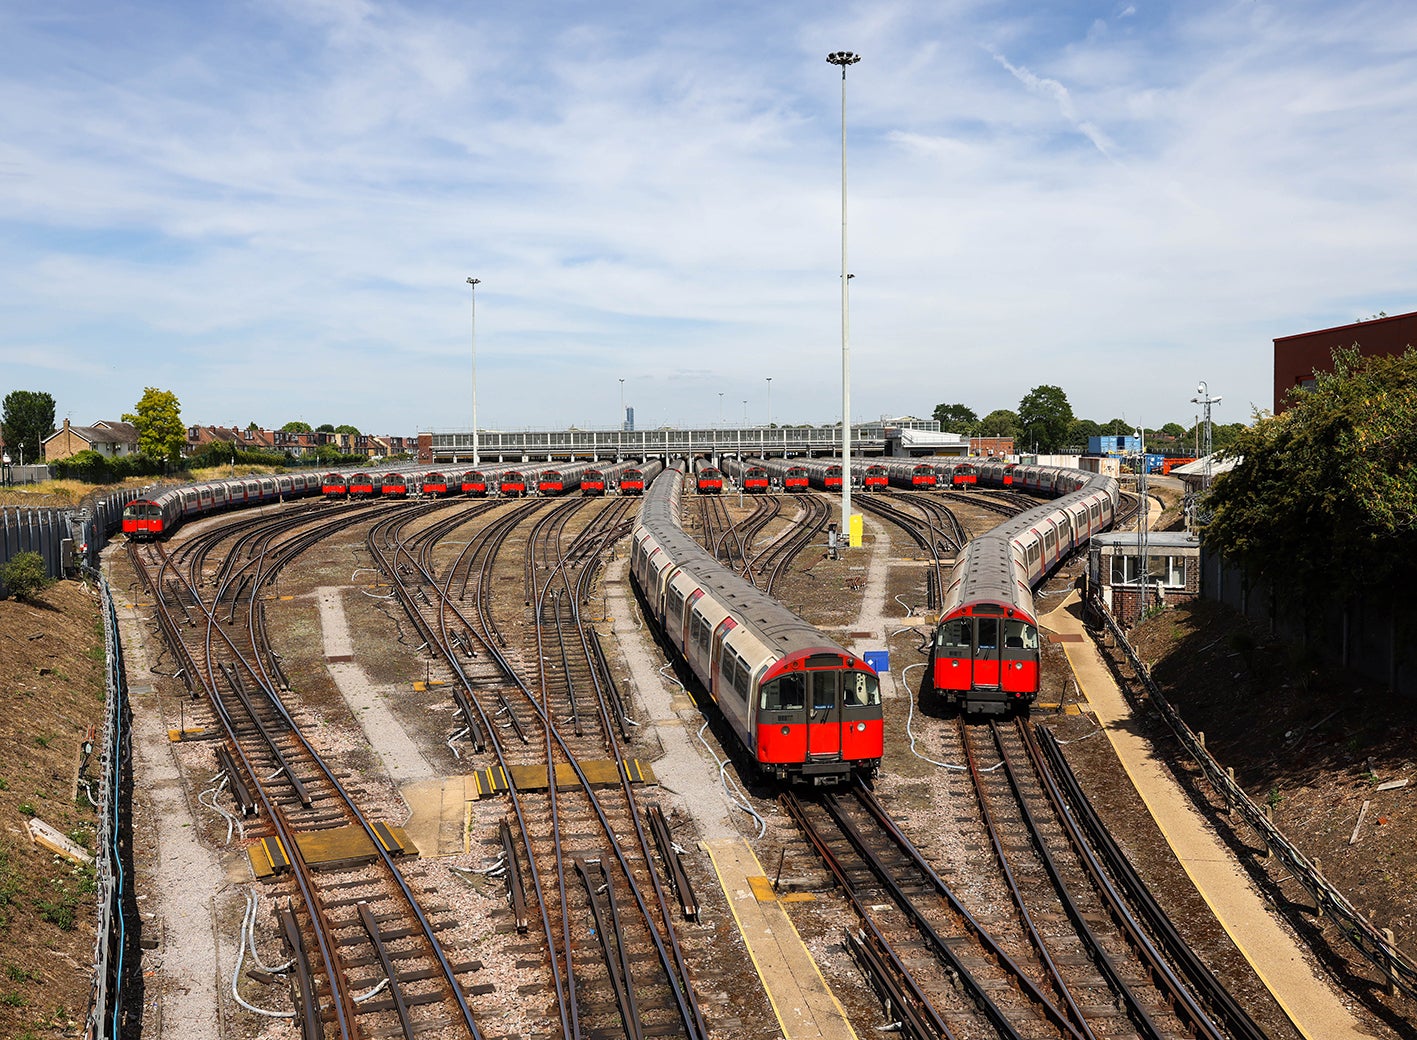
(955, 418)
(158, 421)
(1323, 498)
(1001, 422)
(325, 427)
(27, 419)
(25, 576)
(1079, 430)
(296, 426)
(346, 428)
(1174, 430)
(1045, 416)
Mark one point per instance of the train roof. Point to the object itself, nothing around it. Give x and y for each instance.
(769, 620)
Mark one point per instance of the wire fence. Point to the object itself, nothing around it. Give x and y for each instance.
(117, 935)
(1378, 946)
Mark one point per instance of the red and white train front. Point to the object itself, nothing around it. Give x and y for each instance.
(800, 707)
(986, 655)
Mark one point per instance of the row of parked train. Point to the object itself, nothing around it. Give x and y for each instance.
(758, 476)
(158, 514)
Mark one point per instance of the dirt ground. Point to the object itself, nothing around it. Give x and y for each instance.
(52, 684)
(1314, 743)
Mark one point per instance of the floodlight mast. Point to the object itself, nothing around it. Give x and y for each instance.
(844, 59)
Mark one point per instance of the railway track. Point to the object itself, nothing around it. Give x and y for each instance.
(577, 850)
(1073, 959)
(363, 952)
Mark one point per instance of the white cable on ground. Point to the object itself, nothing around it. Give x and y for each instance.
(910, 718)
(736, 797)
(248, 921)
(251, 940)
(370, 994)
(460, 733)
(909, 610)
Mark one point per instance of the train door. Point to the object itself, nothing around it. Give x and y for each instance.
(1019, 657)
(986, 653)
(824, 707)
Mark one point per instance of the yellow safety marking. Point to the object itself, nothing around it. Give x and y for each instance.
(492, 780)
(176, 736)
(420, 686)
(762, 888)
(797, 897)
(632, 769)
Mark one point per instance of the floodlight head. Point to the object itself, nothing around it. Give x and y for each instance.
(843, 58)
(474, 281)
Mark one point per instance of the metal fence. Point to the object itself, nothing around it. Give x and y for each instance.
(66, 539)
(117, 936)
(1377, 946)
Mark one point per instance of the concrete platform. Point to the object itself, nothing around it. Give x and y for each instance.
(805, 1006)
(1278, 957)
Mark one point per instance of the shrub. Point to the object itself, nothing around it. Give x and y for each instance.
(25, 576)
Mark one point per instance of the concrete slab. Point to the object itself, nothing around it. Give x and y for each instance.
(1277, 955)
(805, 1006)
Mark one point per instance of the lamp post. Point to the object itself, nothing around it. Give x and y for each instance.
(474, 282)
(769, 422)
(843, 59)
(720, 408)
(1204, 399)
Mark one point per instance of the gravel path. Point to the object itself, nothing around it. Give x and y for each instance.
(368, 701)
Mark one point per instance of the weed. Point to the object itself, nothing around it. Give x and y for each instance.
(58, 912)
(4, 784)
(1274, 798)
(13, 1000)
(42, 741)
(80, 836)
(15, 973)
(28, 808)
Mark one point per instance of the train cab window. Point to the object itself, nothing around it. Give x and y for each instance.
(862, 690)
(953, 635)
(824, 686)
(1020, 635)
(988, 632)
(786, 693)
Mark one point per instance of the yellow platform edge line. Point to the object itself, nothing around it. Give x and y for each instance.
(757, 967)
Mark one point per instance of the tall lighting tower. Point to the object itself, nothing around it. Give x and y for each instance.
(474, 282)
(843, 59)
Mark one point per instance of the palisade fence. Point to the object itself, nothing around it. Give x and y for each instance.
(1378, 946)
(66, 538)
(116, 942)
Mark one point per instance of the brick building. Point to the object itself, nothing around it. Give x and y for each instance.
(1297, 357)
(110, 439)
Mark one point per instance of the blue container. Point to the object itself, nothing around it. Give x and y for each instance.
(879, 660)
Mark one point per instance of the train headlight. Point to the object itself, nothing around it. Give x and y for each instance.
(861, 727)
(954, 663)
(1018, 666)
(786, 730)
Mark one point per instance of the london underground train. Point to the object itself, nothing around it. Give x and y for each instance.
(800, 707)
(985, 654)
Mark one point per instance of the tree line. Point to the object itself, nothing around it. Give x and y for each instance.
(27, 420)
(1044, 422)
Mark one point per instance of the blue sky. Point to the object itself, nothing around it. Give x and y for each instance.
(270, 208)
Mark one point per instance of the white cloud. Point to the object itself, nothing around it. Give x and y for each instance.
(271, 209)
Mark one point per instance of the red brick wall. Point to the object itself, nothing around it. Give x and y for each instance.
(1296, 357)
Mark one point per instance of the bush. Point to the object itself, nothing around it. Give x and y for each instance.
(25, 576)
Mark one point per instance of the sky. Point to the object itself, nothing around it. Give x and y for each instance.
(271, 208)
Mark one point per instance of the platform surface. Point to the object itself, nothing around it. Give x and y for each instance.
(805, 1006)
